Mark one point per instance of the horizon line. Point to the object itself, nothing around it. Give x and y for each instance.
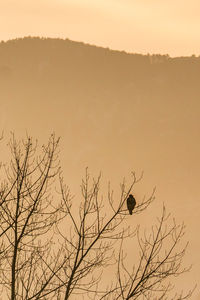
(98, 46)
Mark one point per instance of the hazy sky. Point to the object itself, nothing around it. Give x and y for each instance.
(139, 26)
(166, 148)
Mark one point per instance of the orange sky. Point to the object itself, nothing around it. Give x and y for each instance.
(145, 26)
(142, 26)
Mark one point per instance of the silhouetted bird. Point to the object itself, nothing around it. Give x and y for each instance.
(131, 203)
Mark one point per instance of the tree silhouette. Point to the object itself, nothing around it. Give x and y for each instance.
(28, 215)
(55, 246)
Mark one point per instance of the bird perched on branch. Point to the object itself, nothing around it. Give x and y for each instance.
(131, 203)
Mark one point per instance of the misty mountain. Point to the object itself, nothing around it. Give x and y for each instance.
(68, 65)
(57, 72)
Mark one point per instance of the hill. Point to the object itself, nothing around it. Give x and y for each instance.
(69, 63)
(53, 71)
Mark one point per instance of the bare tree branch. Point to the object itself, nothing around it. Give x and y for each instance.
(56, 246)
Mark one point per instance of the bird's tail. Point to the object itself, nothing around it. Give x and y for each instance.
(130, 212)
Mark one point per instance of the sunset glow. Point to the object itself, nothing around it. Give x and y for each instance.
(135, 26)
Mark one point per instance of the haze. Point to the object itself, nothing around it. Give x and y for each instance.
(155, 26)
(115, 112)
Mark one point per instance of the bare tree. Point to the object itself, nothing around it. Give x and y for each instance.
(56, 246)
(160, 258)
(28, 215)
(92, 234)
(90, 247)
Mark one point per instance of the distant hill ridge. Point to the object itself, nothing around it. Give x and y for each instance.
(58, 42)
(65, 66)
(35, 48)
(70, 43)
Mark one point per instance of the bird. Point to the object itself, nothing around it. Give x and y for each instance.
(131, 203)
